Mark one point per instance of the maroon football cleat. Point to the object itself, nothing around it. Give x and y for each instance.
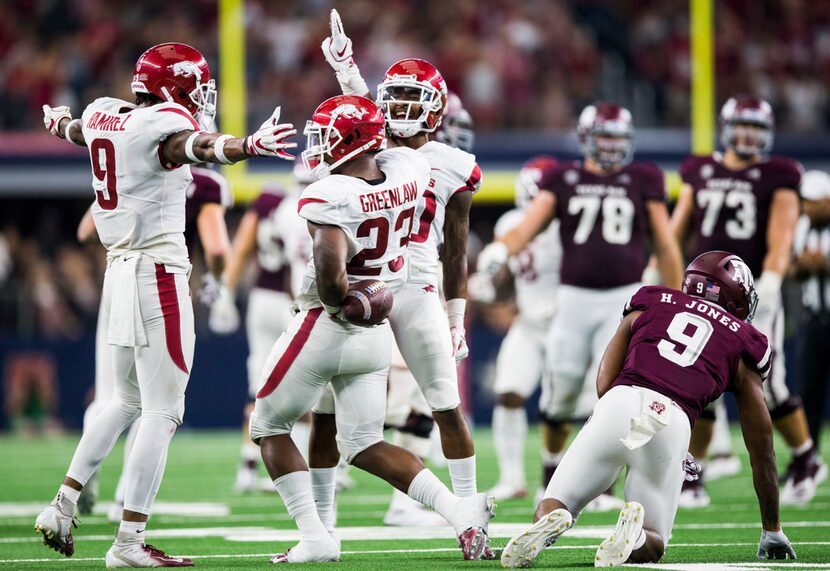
(473, 541)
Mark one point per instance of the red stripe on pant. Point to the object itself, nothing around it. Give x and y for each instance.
(291, 352)
(169, 300)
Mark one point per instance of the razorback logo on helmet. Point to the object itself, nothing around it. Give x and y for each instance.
(349, 111)
(187, 69)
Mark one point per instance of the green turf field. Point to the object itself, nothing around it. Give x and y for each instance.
(199, 516)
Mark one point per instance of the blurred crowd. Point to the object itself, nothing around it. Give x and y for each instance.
(516, 63)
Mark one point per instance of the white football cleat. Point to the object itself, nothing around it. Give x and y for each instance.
(142, 555)
(246, 481)
(605, 503)
(693, 495)
(507, 491)
(802, 481)
(617, 548)
(56, 526)
(321, 550)
(523, 549)
(472, 519)
(722, 466)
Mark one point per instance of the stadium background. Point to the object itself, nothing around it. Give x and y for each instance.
(523, 68)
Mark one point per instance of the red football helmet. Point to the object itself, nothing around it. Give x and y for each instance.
(606, 134)
(413, 96)
(747, 126)
(724, 279)
(341, 129)
(456, 128)
(178, 73)
(527, 183)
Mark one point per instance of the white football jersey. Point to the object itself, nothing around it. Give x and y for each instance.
(140, 202)
(378, 219)
(536, 268)
(452, 170)
(296, 240)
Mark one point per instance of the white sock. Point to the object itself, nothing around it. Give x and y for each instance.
(803, 448)
(130, 532)
(323, 487)
(148, 458)
(641, 539)
(427, 489)
(463, 476)
(295, 491)
(300, 433)
(70, 495)
(509, 436)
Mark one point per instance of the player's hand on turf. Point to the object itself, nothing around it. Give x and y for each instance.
(52, 117)
(337, 47)
(270, 139)
(492, 258)
(775, 545)
(480, 288)
(691, 469)
(224, 316)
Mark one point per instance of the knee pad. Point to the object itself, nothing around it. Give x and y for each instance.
(787, 407)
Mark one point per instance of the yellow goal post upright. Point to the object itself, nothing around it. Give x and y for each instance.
(701, 22)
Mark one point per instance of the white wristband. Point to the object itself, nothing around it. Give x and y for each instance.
(219, 149)
(188, 147)
(455, 311)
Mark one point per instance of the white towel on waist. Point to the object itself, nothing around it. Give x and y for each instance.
(655, 411)
(126, 328)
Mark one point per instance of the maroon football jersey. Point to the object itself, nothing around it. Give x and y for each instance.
(271, 261)
(688, 349)
(208, 187)
(732, 207)
(604, 221)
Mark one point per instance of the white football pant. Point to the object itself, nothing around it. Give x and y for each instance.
(268, 315)
(597, 456)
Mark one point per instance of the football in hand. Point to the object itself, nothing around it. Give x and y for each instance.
(367, 303)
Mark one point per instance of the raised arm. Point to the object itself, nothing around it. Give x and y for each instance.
(337, 49)
(59, 122)
(666, 248)
(614, 356)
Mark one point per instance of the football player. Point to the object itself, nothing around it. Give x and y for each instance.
(608, 207)
(413, 96)
(745, 200)
(140, 154)
(361, 217)
(208, 195)
(265, 230)
(521, 358)
(672, 354)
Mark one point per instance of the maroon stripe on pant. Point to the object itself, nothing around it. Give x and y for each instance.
(291, 352)
(169, 300)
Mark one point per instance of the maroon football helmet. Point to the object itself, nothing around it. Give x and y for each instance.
(527, 183)
(606, 134)
(747, 126)
(456, 128)
(341, 129)
(417, 88)
(723, 279)
(178, 73)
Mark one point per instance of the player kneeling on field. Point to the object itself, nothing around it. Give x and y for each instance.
(672, 354)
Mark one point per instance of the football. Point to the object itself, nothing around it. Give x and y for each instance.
(367, 303)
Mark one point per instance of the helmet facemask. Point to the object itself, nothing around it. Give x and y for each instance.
(609, 147)
(204, 98)
(747, 138)
(408, 106)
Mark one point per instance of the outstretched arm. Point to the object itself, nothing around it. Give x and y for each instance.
(337, 49)
(198, 147)
(59, 122)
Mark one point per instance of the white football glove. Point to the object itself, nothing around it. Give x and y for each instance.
(768, 288)
(480, 288)
(224, 317)
(209, 292)
(775, 545)
(651, 276)
(337, 49)
(455, 315)
(492, 258)
(691, 469)
(52, 117)
(269, 139)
